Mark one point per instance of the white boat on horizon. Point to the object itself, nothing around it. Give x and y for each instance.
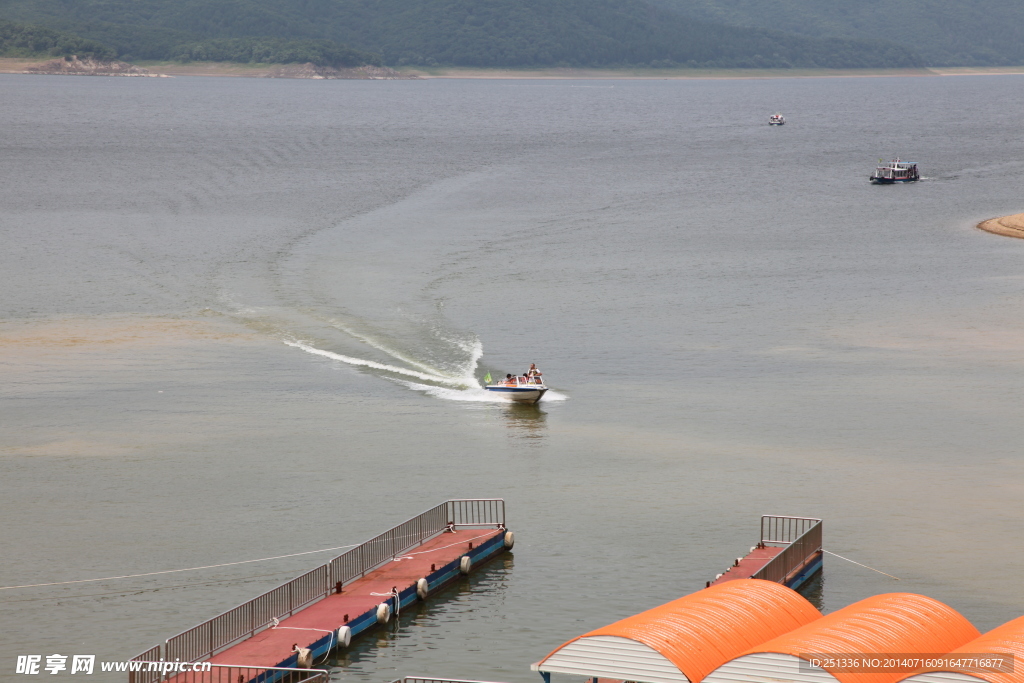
(776, 120)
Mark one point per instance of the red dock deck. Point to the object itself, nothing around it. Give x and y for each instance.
(275, 645)
(338, 600)
(789, 553)
(749, 565)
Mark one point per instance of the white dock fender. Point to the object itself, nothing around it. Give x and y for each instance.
(510, 539)
(423, 588)
(383, 613)
(344, 636)
(465, 564)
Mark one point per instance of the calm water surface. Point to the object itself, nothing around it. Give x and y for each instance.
(243, 318)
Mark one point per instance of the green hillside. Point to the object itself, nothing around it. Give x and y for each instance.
(22, 40)
(489, 33)
(943, 32)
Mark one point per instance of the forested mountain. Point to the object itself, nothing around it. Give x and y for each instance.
(491, 33)
(21, 40)
(943, 32)
(28, 40)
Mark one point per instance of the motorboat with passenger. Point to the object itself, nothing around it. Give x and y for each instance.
(776, 120)
(895, 171)
(526, 388)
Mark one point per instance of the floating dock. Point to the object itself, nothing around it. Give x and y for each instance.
(789, 553)
(329, 606)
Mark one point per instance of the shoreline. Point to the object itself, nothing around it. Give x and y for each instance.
(1007, 226)
(17, 65)
(554, 73)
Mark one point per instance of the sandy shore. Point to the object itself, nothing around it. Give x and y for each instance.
(1009, 226)
(17, 65)
(978, 70)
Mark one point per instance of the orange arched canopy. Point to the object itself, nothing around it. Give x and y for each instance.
(1007, 639)
(700, 632)
(891, 623)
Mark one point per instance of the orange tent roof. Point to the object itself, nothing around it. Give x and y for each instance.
(1007, 639)
(703, 630)
(892, 623)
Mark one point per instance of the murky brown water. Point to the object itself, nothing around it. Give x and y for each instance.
(243, 318)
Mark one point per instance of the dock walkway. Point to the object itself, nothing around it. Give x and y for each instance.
(789, 553)
(746, 567)
(316, 627)
(328, 606)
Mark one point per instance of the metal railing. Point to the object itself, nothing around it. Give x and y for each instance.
(150, 655)
(797, 550)
(233, 673)
(245, 620)
(477, 512)
(785, 530)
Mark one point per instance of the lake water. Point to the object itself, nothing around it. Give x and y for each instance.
(244, 318)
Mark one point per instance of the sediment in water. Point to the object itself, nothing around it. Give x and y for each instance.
(1008, 226)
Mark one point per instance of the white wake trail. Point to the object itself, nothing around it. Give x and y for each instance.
(473, 394)
(453, 381)
(337, 324)
(475, 350)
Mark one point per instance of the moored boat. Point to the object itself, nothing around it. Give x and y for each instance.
(896, 171)
(776, 120)
(526, 388)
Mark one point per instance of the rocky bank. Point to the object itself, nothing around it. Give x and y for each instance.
(73, 66)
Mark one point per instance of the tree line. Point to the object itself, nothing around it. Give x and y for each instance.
(273, 51)
(483, 33)
(943, 32)
(22, 40)
(26, 40)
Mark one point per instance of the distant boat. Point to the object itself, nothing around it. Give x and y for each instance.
(521, 389)
(776, 120)
(895, 171)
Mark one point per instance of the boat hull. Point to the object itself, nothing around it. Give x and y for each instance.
(891, 181)
(518, 394)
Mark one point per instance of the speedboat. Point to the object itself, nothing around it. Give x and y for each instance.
(521, 389)
(895, 171)
(776, 120)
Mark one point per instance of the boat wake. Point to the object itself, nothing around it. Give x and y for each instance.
(463, 387)
(461, 382)
(439, 362)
